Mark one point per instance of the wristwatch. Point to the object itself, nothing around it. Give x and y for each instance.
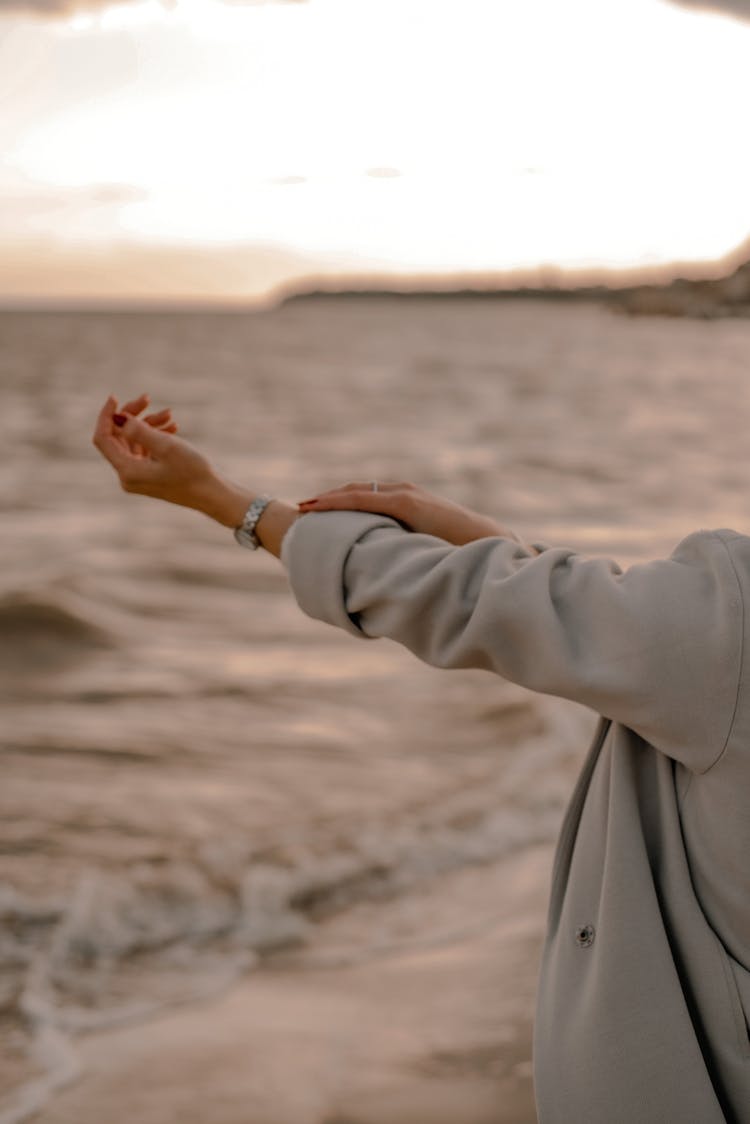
(245, 533)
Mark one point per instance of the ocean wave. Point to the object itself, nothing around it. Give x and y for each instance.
(127, 944)
(41, 631)
(171, 913)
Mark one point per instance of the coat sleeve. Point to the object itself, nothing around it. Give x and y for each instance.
(656, 647)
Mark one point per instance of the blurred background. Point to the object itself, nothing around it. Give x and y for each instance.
(254, 871)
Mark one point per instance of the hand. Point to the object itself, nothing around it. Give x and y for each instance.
(148, 458)
(416, 508)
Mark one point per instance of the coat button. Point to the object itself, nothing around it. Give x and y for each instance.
(585, 936)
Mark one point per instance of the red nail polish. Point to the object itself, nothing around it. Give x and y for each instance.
(119, 419)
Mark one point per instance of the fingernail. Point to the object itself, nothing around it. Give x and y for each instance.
(301, 502)
(119, 419)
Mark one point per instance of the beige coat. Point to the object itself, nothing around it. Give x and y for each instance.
(644, 996)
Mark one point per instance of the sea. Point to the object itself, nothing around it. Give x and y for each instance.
(193, 774)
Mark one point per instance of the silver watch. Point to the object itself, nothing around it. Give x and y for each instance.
(245, 533)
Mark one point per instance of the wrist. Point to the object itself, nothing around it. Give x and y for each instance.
(227, 502)
(222, 500)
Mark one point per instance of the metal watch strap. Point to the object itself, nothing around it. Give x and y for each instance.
(245, 533)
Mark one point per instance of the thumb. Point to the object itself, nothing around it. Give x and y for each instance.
(137, 432)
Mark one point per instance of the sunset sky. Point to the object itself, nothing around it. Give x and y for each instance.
(215, 148)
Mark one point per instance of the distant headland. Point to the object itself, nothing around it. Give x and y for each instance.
(703, 290)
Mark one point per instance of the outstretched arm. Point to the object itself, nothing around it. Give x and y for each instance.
(151, 460)
(657, 648)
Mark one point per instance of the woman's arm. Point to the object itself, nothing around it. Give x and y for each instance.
(657, 647)
(151, 460)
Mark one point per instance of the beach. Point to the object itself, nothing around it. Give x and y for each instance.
(434, 1027)
(253, 869)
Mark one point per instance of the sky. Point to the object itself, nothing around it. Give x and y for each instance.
(215, 149)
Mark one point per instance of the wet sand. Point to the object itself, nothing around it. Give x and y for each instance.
(438, 1034)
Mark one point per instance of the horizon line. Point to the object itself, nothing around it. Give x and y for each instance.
(545, 280)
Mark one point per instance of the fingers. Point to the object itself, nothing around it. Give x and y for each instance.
(146, 437)
(104, 423)
(110, 435)
(359, 498)
(105, 426)
(162, 419)
(105, 439)
(362, 486)
(347, 501)
(158, 420)
(136, 405)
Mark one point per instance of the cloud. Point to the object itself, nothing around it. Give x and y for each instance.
(739, 9)
(57, 9)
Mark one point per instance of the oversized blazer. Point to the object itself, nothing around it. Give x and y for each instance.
(644, 992)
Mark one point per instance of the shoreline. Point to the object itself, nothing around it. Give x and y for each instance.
(422, 1029)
